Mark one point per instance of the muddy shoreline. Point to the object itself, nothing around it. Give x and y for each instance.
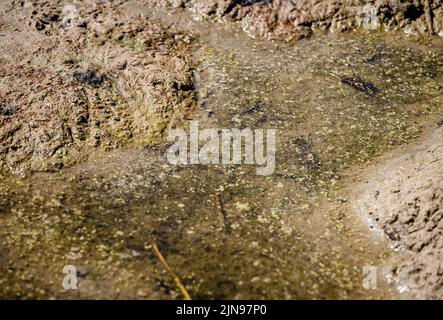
(399, 197)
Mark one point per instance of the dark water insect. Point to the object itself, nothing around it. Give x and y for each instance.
(90, 78)
(360, 85)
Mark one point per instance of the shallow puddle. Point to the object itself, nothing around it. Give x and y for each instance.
(226, 231)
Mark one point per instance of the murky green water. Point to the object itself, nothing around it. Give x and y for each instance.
(226, 231)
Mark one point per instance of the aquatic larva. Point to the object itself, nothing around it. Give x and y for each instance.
(360, 85)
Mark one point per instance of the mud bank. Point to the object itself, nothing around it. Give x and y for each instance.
(338, 101)
(403, 197)
(299, 19)
(85, 76)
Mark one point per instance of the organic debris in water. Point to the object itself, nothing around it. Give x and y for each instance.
(360, 85)
(90, 78)
(7, 110)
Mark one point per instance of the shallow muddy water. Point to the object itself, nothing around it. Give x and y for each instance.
(226, 231)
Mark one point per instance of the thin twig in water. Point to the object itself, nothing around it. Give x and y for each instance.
(165, 264)
(221, 208)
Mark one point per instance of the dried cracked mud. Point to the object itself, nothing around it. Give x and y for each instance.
(89, 91)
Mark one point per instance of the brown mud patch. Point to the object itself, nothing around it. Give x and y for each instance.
(104, 80)
(401, 197)
(295, 19)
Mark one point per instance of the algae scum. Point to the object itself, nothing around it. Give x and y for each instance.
(336, 102)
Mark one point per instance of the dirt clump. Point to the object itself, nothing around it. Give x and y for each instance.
(295, 19)
(404, 198)
(86, 76)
